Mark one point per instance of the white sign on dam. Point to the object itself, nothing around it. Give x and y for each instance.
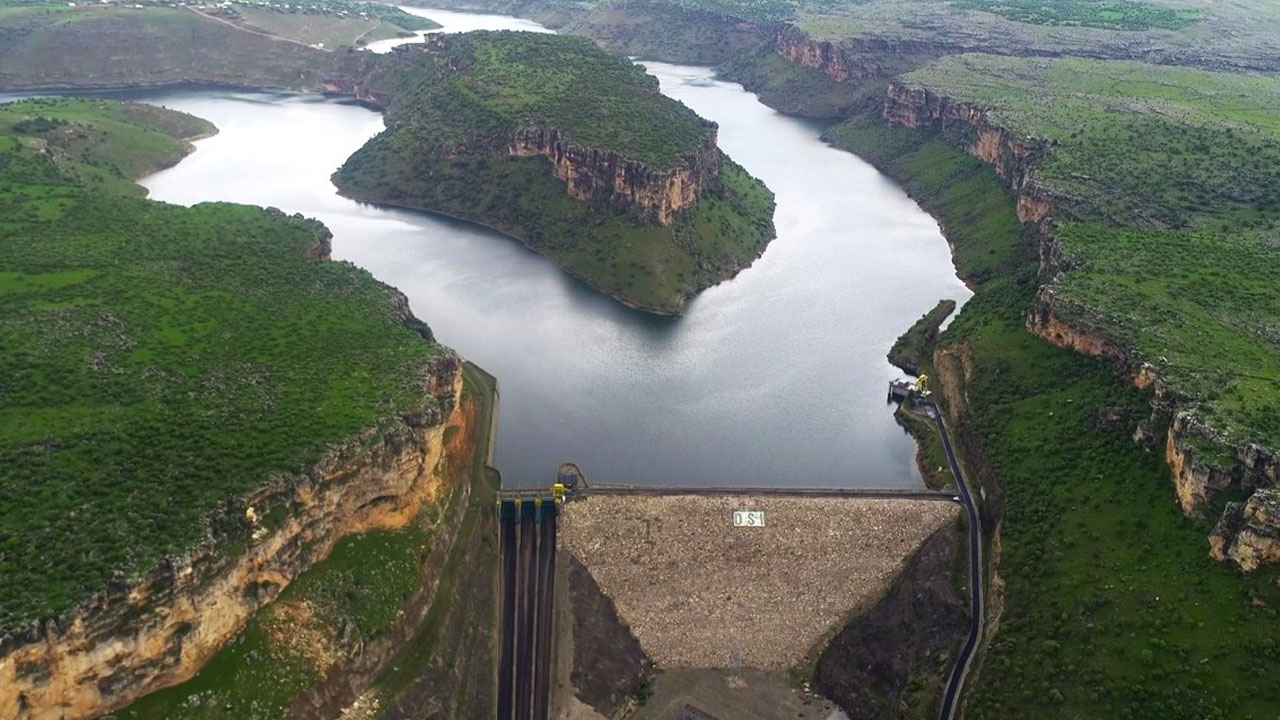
(748, 518)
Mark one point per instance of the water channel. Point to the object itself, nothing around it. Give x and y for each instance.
(774, 378)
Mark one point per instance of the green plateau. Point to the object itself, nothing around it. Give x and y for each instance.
(1109, 601)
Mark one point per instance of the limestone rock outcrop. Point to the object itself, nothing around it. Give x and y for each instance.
(142, 634)
(590, 172)
(1014, 158)
(1249, 532)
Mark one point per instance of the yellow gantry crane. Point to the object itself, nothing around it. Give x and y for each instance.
(922, 385)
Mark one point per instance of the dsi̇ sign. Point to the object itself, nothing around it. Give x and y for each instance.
(748, 518)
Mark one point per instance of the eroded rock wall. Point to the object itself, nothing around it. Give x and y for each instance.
(1014, 158)
(829, 58)
(1249, 533)
(856, 58)
(147, 633)
(593, 173)
(1203, 461)
(590, 173)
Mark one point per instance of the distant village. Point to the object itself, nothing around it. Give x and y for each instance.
(332, 8)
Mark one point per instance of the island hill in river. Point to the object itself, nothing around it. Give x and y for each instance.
(545, 138)
(569, 149)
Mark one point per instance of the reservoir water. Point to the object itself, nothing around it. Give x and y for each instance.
(775, 378)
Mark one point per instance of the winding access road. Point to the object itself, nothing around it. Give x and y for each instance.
(976, 609)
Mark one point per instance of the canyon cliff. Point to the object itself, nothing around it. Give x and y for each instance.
(1202, 460)
(591, 173)
(143, 634)
(854, 59)
(1014, 158)
(1249, 532)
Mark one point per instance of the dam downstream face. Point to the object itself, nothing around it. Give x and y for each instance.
(776, 378)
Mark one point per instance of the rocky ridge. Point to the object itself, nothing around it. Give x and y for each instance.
(143, 634)
(1249, 532)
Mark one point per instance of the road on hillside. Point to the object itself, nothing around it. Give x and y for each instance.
(956, 682)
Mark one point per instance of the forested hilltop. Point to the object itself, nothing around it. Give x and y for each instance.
(571, 150)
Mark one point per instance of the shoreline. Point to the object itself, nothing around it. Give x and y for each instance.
(676, 311)
(652, 310)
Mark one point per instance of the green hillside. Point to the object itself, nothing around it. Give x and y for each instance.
(1169, 212)
(157, 361)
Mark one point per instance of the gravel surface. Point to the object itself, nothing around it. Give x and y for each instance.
(698, 592)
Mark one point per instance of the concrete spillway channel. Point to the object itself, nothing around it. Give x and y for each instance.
(527, 527)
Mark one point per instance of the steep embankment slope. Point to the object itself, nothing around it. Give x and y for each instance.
(569, 149)
(1158, 210)
(197, 405)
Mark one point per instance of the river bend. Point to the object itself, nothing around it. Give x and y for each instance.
(774, 378)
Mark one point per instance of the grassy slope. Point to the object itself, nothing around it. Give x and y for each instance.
(329, 32)
(156, 361)
(352, 597)
(49, 47)
(1111, 605)
(1173, 218)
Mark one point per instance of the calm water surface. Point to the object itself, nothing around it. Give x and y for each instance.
(775, 378)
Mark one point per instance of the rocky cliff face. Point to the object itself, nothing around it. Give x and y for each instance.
(1200, 467)
(591, 173)
(799, 48)
(1045, 320)
(1202, 461)
(856, 58)
(144, 634)
(1249, 532)
(1014, 158)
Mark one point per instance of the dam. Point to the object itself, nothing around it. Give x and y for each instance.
(729, 579)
